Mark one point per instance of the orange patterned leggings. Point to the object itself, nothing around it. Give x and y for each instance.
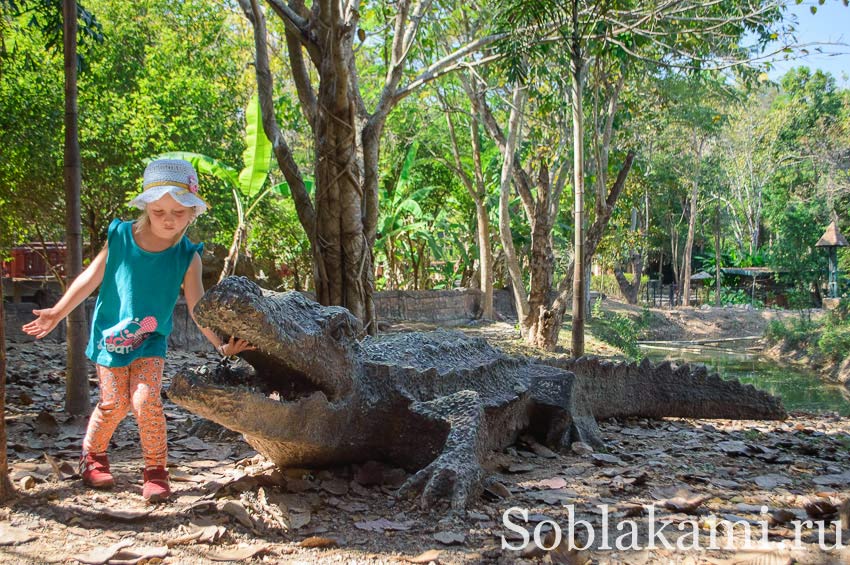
(134, 387)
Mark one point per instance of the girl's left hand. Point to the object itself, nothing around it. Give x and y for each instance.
(234, 347)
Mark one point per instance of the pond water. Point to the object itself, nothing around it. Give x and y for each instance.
(800, 389)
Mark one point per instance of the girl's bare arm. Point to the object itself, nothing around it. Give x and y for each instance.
(193, 289)
(80, 289)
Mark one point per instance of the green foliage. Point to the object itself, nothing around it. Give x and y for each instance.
(796, 334)
(739, 296)
(618, 330)
(827, 338)
(607, 284)
(166, 76)
(834, 341)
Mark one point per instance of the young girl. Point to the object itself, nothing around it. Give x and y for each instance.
(142, 268)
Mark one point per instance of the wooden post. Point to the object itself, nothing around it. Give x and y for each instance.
(6, 489)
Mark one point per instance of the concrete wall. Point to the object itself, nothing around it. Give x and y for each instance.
(445, 307)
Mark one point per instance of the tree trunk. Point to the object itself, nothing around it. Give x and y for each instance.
(342, 254)
(717, 266)
(540, 317)
(76, 381)
(630, 290)
(479, 194)
(687, 255)
(485, 261)
(577, 80)
(477, 190)
(549, 331)
(511, 259)
(6, 488)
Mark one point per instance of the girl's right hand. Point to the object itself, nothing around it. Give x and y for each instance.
(47, 319)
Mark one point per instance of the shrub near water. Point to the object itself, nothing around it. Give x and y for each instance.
(829, 338)
(618, 330)
(834, 341)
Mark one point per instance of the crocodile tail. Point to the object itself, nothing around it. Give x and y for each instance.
(662, 390)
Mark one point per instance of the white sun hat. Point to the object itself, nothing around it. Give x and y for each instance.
(170, 176)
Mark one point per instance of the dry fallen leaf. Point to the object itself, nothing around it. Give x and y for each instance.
(520, 468)
(496, 490)
(14, 536)
(299, 519)
(382, 525)
(102, 555)
(686, 505)
(819, 508)
(46, 424)
(450, 538)
(138, 555)
(781, 516)
(562, 554)
(238, 511)
(430, 556)
(27, 482)
(758, 558)
(337, 487)
(238, 553)
(553, 483)
(124, 515)
(318, 542)
(61, 471)
(184, 539)
(844, 513)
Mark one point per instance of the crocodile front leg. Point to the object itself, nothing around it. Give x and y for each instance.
(456, 473)
(562, 414)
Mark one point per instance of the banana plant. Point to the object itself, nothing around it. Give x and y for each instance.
(248, 185)
(402, 218)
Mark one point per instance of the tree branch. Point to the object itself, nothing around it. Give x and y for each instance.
(265, 93)
(301, 78)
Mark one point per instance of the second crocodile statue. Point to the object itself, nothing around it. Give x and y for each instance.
(435, 403)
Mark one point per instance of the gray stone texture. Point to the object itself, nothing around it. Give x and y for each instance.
(317, 392)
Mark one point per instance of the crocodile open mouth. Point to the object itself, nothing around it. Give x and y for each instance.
(263, 374)
(302, 348)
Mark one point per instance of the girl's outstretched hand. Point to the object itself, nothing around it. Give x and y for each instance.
(235, 346)
(45, 322)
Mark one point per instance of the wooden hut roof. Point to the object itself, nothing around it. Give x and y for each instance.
(832, 238)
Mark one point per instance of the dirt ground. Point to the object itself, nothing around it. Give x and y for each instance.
(708, 322)
(231, 505)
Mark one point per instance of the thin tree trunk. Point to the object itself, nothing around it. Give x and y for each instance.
(692, 224)
(592, 241)
(485, 261)
(485, 253)
(476, 188)
(76, 381)
(689, 247)
(577, 80)
(6, 488)
(717, 265)
(341, 226)
(511, 259)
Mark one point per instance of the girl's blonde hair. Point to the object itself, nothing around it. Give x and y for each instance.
(144, 219)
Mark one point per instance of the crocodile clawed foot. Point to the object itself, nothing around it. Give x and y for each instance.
(441, 480)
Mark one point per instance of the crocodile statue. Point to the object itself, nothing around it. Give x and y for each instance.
(435, 403)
